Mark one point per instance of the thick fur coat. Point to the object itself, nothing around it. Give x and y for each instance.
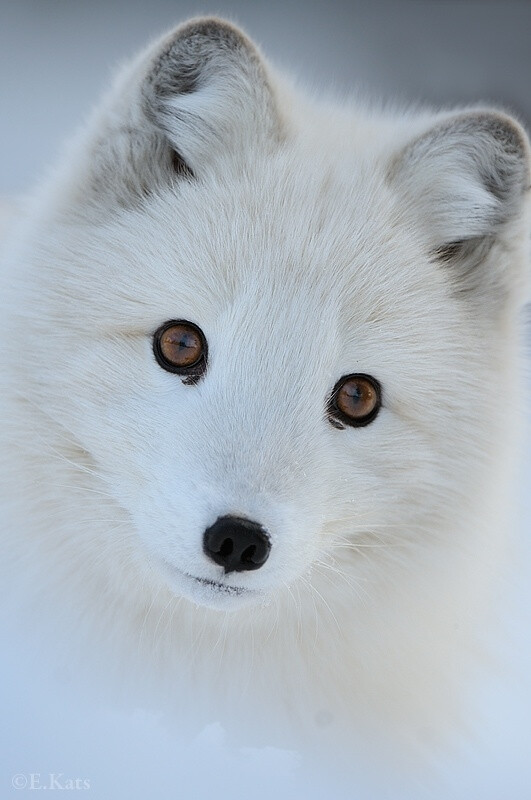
(308, 240)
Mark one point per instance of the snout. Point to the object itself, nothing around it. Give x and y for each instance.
(237, 544)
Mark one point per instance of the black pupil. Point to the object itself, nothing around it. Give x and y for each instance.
(354, 393)
(187, 341)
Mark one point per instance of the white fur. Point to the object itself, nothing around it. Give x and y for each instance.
(304, 248)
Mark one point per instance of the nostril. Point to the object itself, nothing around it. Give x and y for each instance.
(248, 555)
(226, 548)
(237, 544)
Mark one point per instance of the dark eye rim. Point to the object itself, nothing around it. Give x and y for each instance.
(336, 415)
(192, 371)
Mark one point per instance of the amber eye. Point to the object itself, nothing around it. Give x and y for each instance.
(355, 400)
(181, 347)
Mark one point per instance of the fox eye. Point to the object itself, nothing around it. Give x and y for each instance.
(181, 347)
(355, 400)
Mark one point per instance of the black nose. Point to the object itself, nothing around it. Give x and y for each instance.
(237, 544)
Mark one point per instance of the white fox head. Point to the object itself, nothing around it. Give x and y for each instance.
(276, 330)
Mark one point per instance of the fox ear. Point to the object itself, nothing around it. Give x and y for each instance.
(198, 95)
(465, 182)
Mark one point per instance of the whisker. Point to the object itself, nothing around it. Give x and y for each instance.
(320, 596)
(357, 589)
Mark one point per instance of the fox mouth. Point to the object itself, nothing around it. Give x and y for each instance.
(208, 588)
(220, 587)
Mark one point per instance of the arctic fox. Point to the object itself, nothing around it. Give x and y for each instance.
(260, 360)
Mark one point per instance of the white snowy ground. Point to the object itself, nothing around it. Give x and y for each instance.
(51, 735)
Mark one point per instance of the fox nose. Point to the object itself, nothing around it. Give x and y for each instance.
(237, 544)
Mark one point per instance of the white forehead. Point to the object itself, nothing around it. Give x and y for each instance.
(290, 228)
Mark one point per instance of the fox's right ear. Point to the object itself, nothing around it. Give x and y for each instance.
(197, 97)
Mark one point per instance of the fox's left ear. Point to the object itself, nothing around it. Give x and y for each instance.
(466, 182)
